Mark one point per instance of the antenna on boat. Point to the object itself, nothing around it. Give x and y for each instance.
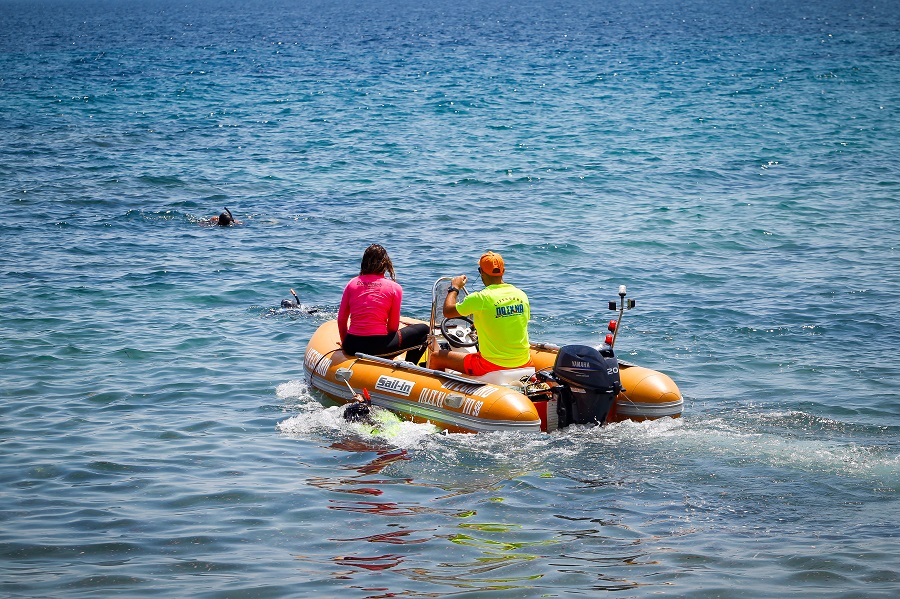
(613, 326)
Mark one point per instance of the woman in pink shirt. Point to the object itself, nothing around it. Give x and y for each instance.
(371, 303)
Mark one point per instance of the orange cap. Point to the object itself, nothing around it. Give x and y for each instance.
(491, 264)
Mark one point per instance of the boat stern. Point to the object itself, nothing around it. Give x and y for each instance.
(647, 395)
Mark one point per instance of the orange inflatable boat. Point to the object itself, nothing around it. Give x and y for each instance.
(568, 385)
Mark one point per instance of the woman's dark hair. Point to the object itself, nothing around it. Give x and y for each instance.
(375, 261)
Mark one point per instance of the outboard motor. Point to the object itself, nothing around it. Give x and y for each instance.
(588, 384)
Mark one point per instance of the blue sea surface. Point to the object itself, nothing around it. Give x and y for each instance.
(735, 164)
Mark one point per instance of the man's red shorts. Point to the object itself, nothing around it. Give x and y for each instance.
(476, 365)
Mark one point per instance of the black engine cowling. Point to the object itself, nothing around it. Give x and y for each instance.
(588, 384)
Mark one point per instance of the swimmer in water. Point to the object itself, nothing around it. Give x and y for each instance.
(295, 304)
(359, 410)
(226, 219)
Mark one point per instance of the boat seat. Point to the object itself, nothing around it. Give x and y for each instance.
(507, 377)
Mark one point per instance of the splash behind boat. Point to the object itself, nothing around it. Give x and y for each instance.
(574, 384)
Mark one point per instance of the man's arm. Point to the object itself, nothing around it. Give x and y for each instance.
(456, 283)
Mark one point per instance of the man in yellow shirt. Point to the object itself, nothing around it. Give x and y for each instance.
(500, 313)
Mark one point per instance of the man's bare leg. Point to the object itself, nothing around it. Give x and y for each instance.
(443, 359)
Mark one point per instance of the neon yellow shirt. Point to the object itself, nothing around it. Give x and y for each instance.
(501, 314)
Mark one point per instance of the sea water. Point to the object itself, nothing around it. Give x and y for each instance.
(735, 164)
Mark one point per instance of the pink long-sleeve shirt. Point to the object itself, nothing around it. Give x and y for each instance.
(374, 303)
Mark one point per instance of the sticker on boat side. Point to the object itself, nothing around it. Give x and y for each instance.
(316, 362)
(432, 397)
(472, 407)
(393, 385)
(478, 391)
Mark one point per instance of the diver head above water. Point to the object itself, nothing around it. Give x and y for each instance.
(226, 219)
